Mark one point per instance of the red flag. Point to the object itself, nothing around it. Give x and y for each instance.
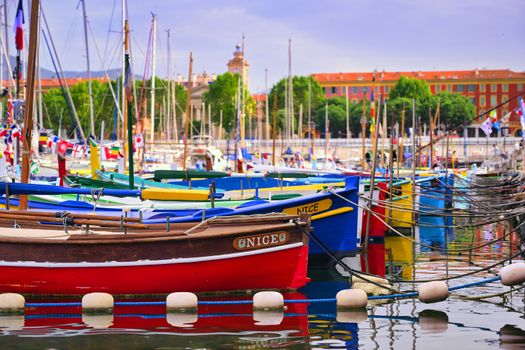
(62, 148)
(19, 28)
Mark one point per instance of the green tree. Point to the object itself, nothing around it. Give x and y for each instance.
(337, 116)
(300, 96)
(404, 92)
(221, 95)
(411, 88)
(57, 112)
(455, 109)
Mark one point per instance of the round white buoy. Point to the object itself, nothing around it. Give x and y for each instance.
(97, 303)
(432, 292)
(182, 301)
(268, 301)
(512, 274)
(433, 321)
(182, 319)
(97, 321)
(12, 303)
(353, 316)
(12, 322)
(351, 299)
(268, 318)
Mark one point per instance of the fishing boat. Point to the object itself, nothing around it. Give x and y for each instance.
(53, 253)
(334, 213)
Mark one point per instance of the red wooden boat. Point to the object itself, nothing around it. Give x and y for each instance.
(220, 254)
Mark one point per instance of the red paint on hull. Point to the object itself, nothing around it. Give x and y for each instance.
(273, 270)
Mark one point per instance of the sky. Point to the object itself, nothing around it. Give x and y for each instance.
(327, 35)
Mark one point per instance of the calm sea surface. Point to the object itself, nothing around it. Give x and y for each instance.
(467, 320)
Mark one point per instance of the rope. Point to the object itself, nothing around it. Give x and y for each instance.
(249, 302)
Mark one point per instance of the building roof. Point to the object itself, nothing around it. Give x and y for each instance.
(259, 97)
(474, 74)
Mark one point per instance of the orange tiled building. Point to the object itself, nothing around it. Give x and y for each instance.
(484, 87)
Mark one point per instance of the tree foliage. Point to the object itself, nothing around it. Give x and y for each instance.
(221, 96)
(455, 109)
(300, 97)
(403, 94)
(57, 113)
(336, 107)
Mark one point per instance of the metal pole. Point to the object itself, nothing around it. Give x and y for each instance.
(90, 92)
(168, 107)
(152, 107)
(187, 121)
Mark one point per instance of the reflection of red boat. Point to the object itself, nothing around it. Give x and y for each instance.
(221, 254)
(374, 260)
(224, 326)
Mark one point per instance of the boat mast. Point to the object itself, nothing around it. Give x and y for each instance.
(267, 112)
(290, 91)
(127, 96)
(363, 134)
(122, 132)
(90, 91)
(30, 98)
(168, 107)
(274, 128)
(310, 117)
(347, 116)
(326, 131)
(187, 119)
(152, 106)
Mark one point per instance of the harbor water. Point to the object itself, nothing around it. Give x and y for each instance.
(480, 317)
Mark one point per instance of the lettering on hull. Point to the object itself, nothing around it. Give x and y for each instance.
(310, 208)
(261, 241)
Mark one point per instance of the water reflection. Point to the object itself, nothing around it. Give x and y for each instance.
(466, 320)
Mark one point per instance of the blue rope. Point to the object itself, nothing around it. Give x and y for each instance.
(139, 303)
(73, 304)
(473, 284)
(393, 296)
(249, 302)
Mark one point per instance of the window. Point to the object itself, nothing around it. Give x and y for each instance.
(505, 87)
(482, 101)
(493, 100)
(334, 90)
(387, 89)
(326, 89)
(460, 88)
(473, 100)
(493, 87)
(520, 87)
(438, 88)
(355, 90)
(504, 98)
(481, 87)
(449, 88)
(471, 88)
(343, 90)
(376, 90)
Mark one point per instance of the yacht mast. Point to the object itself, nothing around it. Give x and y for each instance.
(90, 92)
(168, 107)
(152, 107)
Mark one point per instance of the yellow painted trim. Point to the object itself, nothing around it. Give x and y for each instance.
(332, 213)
